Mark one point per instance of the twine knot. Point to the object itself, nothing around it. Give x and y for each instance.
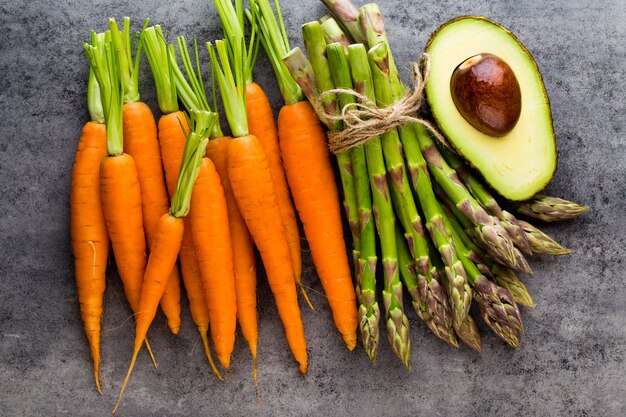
(364, 120)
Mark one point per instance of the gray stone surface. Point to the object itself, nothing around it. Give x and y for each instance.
(571, 361)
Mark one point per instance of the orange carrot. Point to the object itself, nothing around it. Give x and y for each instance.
(211, 236)
(250, 176)
(170, 228)
(312, 182)
(140, 142)
(309, 174)
(251, 181)
(172, 143)
(90, 241)
(169, 233)
(243, 252)
(261, 124)
(193, 96)
(140, 139)
(165, 247)
(200, 316)
(121, 204)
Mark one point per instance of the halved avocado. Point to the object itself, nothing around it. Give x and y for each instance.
(521, 162)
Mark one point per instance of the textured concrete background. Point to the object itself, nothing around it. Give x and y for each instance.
(571, 361)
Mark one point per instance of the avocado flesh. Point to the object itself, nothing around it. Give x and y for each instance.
(520, 163)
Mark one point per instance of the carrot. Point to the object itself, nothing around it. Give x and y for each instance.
(193, 96)
(310, 176)
(262, 125)
(90, 241)
(211, 236)
(169, 233)
(243, 259)
(312, 182)
(172, 142)
(119, 184)
(251, 181)
(140, 137)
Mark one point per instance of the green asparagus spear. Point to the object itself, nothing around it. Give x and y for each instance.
(502, 275)
(486, 199)
(497, 306)
(442, 329)
(396, 321)
(549, 209)
(467, 331)
(541, 242)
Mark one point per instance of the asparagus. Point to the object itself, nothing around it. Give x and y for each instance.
(497, 306)
(366, 280)
(507, 278)
(442, 329)
(486, 199)
(396, 321)
(347, 15)
(459, 292)
(319, 79)
(467, 331)
(503, 276)
(333, 33)
(549, 209)
(541, 242)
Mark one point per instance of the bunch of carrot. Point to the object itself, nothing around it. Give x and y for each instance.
(179, 189)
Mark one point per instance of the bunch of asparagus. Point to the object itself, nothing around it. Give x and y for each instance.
(441, 232)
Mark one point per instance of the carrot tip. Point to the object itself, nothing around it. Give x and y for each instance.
(306, 297)
(303, 368)
(350, 341)
(207, 352)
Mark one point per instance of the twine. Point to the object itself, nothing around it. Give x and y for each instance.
(364, 120)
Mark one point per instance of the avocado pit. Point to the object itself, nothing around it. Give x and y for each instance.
(486, 92)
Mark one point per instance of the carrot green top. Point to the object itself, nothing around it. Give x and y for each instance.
(159, 56)
(276, 44)
(231, 82)
(232, 17)
(105, 66)
(191, 89)
(94, 102)
(200, 125)
(129, 68)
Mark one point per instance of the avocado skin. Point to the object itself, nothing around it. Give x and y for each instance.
(540, 187)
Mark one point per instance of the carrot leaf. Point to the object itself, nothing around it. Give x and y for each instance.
(200, 124)
(105, 66)
(94, 102)
(231, 83)
(191, 88)
(129, 68)
(273, 37)
(160, 60)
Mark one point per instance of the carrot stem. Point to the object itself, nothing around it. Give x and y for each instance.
(197, 138)
(105, 65)
(158, 55)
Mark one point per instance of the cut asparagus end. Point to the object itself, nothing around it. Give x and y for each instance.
(347, 15)
(334, 34)
(300, 69)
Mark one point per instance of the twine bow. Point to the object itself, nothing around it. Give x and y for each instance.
(363, 119)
